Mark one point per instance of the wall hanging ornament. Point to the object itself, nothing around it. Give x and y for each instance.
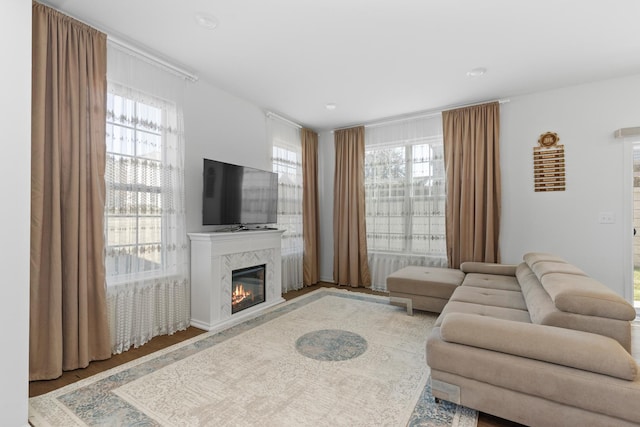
(548, 163)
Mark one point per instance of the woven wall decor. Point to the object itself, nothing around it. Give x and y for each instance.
(548, 163)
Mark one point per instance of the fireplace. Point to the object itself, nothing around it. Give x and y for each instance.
(247, 287)
(214, 258)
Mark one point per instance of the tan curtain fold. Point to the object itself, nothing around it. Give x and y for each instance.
(350, 265)
(472, 162)
(68, 317)
(310, 215)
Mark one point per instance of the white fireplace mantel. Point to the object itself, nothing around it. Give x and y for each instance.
(214, 256)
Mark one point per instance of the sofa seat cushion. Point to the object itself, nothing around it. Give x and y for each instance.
(492, 297)
(491, 281)
(484, 310)
(426, 281)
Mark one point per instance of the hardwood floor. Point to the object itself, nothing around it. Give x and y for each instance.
(37, 388)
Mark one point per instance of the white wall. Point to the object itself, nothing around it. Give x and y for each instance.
(565, 223)
(15, 114)
(223, 127)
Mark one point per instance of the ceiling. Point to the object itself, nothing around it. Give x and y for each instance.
(376, 59)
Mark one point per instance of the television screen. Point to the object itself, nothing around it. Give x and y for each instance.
(234, 195)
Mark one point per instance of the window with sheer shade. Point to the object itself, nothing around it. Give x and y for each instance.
(286, 161)
(404, 195)
(146, 255)
(134, 174)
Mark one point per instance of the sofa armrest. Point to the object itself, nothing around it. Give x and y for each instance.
(488, 268)
(567, 347)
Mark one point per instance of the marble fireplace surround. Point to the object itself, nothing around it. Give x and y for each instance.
(214, 257)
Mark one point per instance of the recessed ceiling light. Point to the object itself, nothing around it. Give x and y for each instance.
(331, 106)
(206, 21)
(477, 72)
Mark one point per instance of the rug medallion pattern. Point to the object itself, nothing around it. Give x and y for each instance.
(331, 357)
(331, 345)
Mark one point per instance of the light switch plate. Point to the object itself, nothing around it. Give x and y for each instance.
(607, 218)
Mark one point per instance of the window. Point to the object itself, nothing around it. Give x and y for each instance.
(405, 198)
(288, 165)
(134, 171)
(286, 161)
(147, 249)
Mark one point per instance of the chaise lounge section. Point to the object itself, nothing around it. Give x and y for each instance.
(429, 289)
(540, 343)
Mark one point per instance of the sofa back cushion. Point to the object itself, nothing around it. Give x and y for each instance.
(532, 258)
(488, 268)
(543, 268)
(539, 303)
(584, 295)
(573, 291)
(590, 352)
(573, 301)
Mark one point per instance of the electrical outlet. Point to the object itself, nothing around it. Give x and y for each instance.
(607, 218)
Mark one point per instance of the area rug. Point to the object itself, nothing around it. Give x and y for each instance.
(329, 358)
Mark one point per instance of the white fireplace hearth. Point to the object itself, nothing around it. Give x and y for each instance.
(214, 257)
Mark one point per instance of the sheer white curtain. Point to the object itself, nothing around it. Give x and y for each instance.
(405, 196)
(287, 162)
(147, 253)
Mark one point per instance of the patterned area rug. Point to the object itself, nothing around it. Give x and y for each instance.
(329, 358)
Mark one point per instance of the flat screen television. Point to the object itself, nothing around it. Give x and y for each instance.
(238, 195)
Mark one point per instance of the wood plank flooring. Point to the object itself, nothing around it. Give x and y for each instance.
(37, 388)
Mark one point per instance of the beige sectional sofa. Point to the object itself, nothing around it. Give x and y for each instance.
(540, 343)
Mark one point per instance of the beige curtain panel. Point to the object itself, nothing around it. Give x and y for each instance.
(472, 163)
(310, 231)
(68, 318)
(350, 264)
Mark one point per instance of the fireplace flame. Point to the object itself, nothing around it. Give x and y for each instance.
(239, 294)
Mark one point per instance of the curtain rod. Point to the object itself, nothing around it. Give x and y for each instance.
(279, 117)
(142, 54)
(146, 56)
(423, 114)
